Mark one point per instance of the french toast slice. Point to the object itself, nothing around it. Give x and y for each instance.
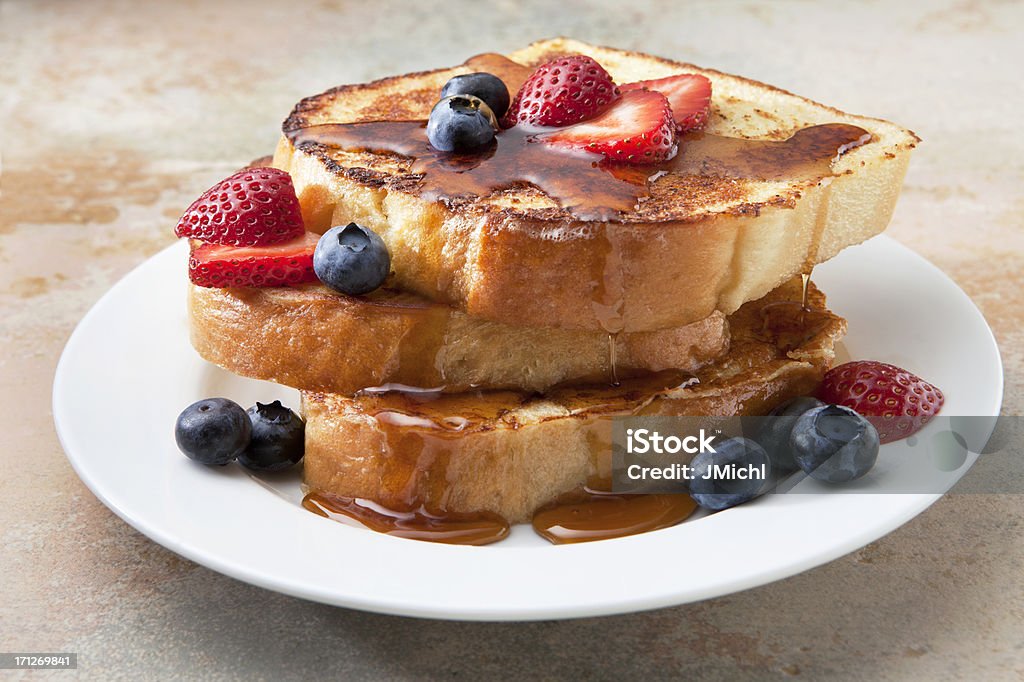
(512, 452)
(702, 241)
(315, 339)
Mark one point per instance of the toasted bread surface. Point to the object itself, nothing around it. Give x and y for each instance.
(699, 243)
(312, 338)
(511, 452)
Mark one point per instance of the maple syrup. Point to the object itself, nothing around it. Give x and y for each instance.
(580, 516)
(790, 324)
(419, 430)
(514, 158)
(587, 515)
(608, 298)
(808, 154)
(613, 369)
(581, 182)
(447, 416)
(479, 528)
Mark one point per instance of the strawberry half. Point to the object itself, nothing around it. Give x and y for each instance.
(562, 92)
(689, 94)
(897, 402)
(284, 264)
(253, 207)
(638, 129)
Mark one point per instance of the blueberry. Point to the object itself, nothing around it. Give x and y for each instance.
(834, 444)
(460, 123)
(486, 86)
(278, 438)
(214, 431)
(351, 259)
(777, 427)
(720, 491)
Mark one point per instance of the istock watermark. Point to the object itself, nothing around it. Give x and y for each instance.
(978, 454)
(648, 441)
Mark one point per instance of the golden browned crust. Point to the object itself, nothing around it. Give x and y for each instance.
(511, 453)
(314, 339)
(697, 245)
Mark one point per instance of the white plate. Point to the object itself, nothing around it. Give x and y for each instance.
(128, 370)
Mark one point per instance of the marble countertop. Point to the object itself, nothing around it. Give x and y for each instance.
(116, 114)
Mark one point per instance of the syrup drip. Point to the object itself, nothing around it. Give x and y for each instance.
(479, 528)
(793, 323)
(607, 301)
(613, 370)
(588, 515)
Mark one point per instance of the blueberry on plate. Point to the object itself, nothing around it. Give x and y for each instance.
(777, 427)
(460, 123)
(834, 444)
(351, 259)
(486, 86)
(213, 431)
(722, 490)
(278, 438)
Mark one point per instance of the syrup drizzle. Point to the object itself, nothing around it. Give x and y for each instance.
(444, 416)
(515, 158)
(581, 182)
(791, 324)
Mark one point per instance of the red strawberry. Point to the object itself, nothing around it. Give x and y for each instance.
(284, 264)
(639, 128)
(562, 92)
(688, 93)
(253, 207)
(897, 402)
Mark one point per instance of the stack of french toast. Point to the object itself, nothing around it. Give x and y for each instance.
(534, 295)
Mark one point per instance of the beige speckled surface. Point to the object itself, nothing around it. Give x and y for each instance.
(114, 115)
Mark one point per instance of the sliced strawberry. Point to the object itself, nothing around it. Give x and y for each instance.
(637, 129)
(689, 94)
(561, 92)
(253, 207)
(284, 264)
(897, 402)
